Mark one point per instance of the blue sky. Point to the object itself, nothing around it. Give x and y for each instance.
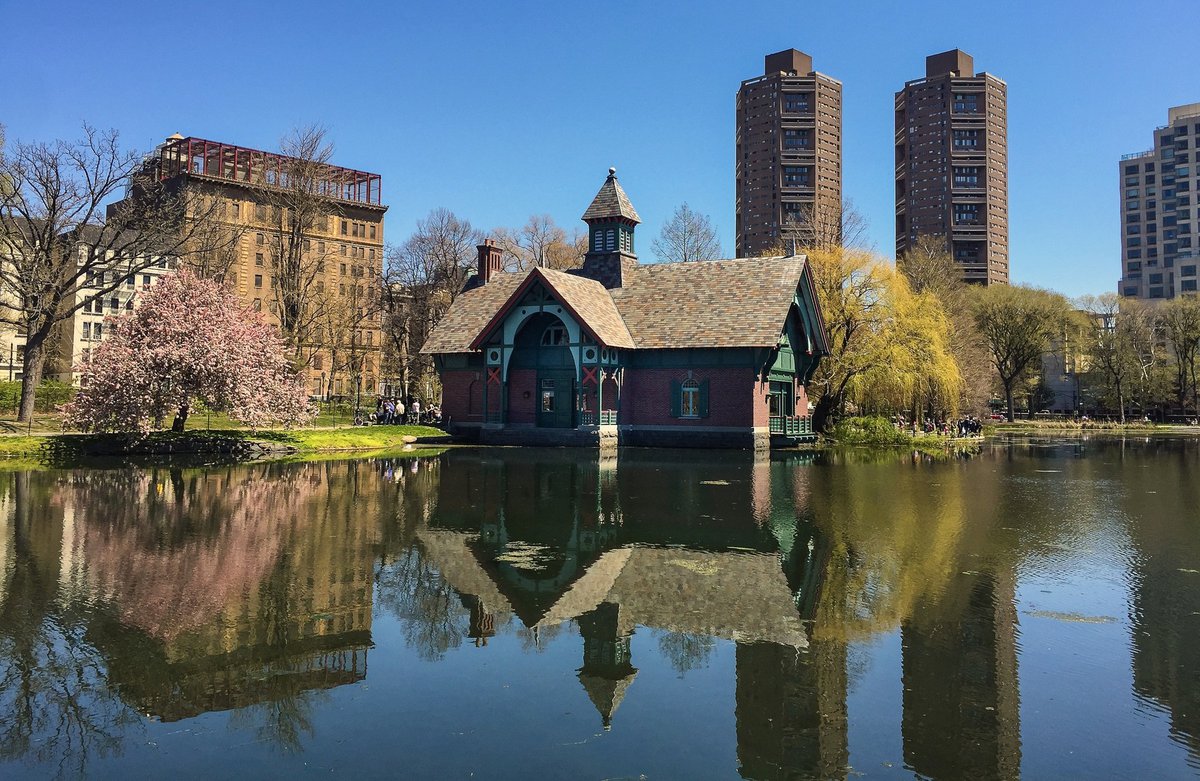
(499, 110)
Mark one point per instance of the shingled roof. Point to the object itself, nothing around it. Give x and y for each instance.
(705, 304)
(714, 303)
(611, 201)
(469, 313)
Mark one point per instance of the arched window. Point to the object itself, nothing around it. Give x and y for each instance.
(554, 336)
(689, 399)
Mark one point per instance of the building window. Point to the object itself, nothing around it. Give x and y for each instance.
(344, 227)
(342, 250)
(236, 208)
(258, 280)
(610, 239)
(129, 305)
(796, 176)
(1188, 285)
(98, 331)
(966, 214)
(966, 139)
(966, 176)
(966, 104)
(689, 399)
(554, 336)
(87, 330)
(1188, 271)
(260, 239)
(795, 102)
(258, 258)
(258, 305)
(796, 139)
(372, 231)
(114, 304)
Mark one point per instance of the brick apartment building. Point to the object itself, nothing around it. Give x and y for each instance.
(952, 165)
(789, 153)
(1160, 210)
(343, 249)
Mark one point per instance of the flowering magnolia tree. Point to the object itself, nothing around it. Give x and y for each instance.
(189, 340)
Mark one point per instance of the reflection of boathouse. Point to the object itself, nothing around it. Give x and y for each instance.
(715, 552)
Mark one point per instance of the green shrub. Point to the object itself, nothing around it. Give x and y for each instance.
(869, 431)
(50, 395)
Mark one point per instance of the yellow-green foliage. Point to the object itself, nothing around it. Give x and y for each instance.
(889, 347)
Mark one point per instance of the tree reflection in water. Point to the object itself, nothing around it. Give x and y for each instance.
(127, 593)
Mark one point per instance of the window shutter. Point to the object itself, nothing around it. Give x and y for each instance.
(676, 393)
(704, 398)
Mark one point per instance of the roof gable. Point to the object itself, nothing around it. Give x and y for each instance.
(586, 300)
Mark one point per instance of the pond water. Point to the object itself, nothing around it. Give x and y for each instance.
(1033, 611)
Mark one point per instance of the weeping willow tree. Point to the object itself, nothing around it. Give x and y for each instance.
(917, 371)
(889, 347)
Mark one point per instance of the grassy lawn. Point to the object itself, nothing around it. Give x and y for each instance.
(304, 441)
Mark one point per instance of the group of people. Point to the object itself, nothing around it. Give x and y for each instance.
(393, 411)
(969, 426)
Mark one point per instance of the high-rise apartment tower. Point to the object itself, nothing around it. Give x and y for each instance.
(789, 155)
(1160, 195)
(952, 165)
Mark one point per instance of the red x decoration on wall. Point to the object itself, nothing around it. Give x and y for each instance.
(493, 376)
(589, 375)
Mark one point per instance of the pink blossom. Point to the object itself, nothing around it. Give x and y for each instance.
(189, 341)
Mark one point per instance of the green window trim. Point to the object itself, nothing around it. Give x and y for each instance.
(689, 399)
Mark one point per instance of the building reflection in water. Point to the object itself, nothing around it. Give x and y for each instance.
(174, 592)
(688, 545)
(254, 588)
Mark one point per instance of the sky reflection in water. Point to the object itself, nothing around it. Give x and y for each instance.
(514, 614)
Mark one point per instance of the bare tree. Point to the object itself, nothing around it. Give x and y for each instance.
(828, 226)
(55, 237)
(422, 277)
(541, 243)
(1181, 322)
(300, 204)
(928, 265)
(342, 329)
(687, 236)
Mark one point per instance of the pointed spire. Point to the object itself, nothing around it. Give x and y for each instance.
(611, 202)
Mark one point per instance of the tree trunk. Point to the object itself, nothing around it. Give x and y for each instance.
(1008, 397)
(180, 418)
(822, 412)
(33, 365)
(1121, 403)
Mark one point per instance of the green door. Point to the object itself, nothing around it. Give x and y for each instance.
(555, 399)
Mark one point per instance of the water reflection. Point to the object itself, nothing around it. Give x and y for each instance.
(130, 597)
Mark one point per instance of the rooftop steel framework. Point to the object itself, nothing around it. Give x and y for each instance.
(253, 167)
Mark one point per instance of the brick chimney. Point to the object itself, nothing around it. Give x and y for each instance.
(490, 260)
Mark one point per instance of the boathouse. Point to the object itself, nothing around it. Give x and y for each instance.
(703, 354)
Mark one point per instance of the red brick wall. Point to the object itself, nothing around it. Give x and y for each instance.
(610, 393)
(762, 403)
(733, 397)
(521, 410)
(456, 389)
